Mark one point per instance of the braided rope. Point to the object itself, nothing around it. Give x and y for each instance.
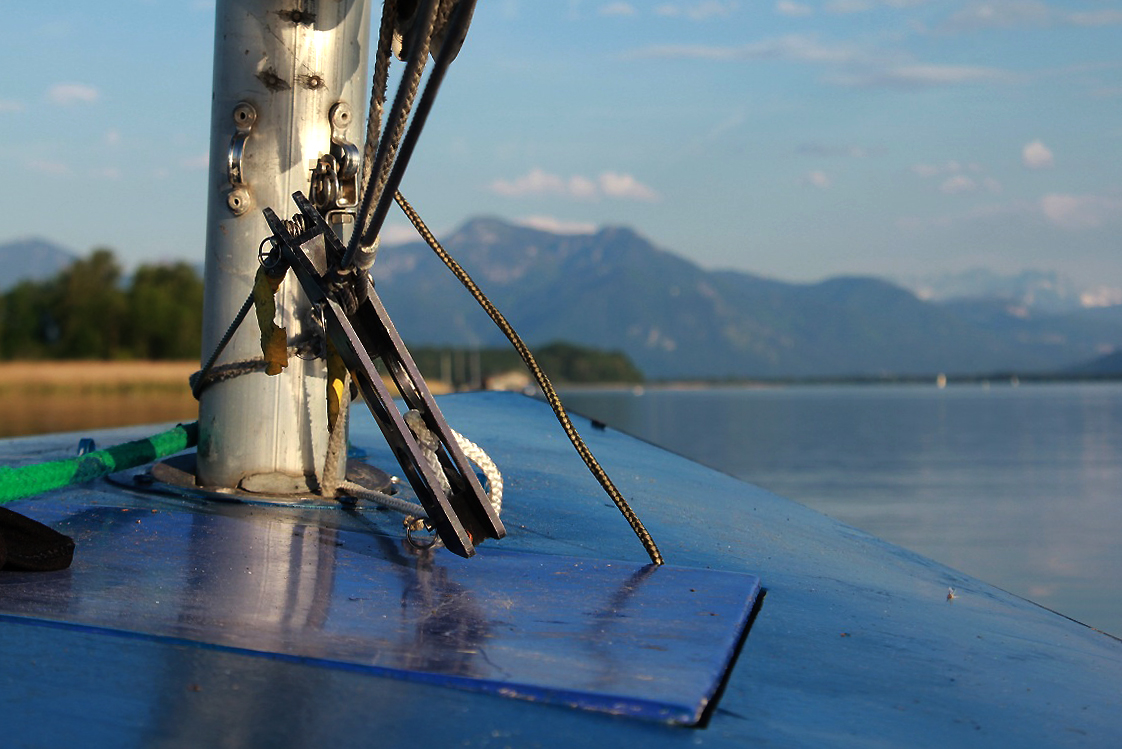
(547, 387)
(399, 115)
(378, 89)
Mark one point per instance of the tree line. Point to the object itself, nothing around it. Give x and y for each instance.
(90, 311)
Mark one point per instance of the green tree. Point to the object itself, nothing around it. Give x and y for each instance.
(164, 312)
(90, 308)
(26, 325)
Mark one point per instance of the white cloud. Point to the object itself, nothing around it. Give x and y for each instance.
(698, 11)
(951, 167)
(72, 93)
(10, 105)
(956, 177)
(861, 6)
(818, 179)
(399, 234)
(1080, 211)
(920, 76)
(608, 184)
(55, 168)
(196, 163)
(797, 47)
(618, 9)
(1036, 155)
(824, 149)
(1101, 296)
(1002, 14)
(556, 226)
(793, 9)
(958, 183)
(853, 65)
(625, 186)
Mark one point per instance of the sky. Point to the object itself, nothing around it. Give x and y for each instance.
(795, 139)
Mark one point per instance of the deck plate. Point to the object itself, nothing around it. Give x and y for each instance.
(610, 636)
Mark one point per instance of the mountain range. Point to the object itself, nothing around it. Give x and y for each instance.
(614, 290)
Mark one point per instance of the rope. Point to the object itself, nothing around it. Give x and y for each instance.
(477, 455)
(429, 444)
(547, 387)
(387, 146)
(396, 504)
(200, 377)
(26, 481)
(453, 18)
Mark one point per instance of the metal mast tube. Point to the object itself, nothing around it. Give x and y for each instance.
(280, 69)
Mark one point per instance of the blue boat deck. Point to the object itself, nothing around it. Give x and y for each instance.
(190, 623)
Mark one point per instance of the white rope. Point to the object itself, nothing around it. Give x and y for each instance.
(476, 455)
(429, 443)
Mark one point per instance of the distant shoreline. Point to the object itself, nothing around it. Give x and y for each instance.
(79, 376)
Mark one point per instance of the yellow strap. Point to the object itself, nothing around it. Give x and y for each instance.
(336, 385)
(274, 339)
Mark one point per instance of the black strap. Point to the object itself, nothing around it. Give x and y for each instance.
(30, 546)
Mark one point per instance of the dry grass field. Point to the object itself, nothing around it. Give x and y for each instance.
(54, 396)
(66, 396)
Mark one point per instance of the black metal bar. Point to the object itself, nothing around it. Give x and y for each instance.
(462, 515)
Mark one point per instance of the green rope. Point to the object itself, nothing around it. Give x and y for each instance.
(27, 481)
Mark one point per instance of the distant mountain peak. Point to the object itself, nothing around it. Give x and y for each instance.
(32, 259)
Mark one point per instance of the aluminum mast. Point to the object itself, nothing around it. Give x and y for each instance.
(290, 89)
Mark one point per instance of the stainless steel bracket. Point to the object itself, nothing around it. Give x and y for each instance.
(239, 200)
(334, 188)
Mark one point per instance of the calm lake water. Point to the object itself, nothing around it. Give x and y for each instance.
(1018, 486)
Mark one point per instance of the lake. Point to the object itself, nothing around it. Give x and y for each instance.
(1019, 486)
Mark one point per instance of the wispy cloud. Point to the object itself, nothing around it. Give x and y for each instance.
(10, 105)
(607, 184)
(196, 163)
(830, 150)
(863, 6)
(851, 65)
(793, 10)
(66, 94)
(1036, 155)
(950, 167)
(47, 166)
(919, 76)
(698, 11)
(1080, 211)
(956, 178)
(795, 47)
(618, 9)
(818, 179)
(1002, 14)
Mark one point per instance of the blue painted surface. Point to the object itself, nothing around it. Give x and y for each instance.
(855, 643)
(649, 642)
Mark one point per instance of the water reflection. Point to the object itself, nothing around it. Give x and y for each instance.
(1017, 486)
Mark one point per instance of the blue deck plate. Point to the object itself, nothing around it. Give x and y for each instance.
(616, 637)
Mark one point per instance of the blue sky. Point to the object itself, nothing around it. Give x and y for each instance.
(795, 139)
